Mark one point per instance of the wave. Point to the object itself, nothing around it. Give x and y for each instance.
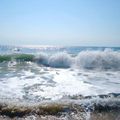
(98, 59)
(60, 60)
(106, 59)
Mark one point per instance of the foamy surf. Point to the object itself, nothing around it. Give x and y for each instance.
(89, 80)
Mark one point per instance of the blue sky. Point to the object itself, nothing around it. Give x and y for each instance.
(60, 22)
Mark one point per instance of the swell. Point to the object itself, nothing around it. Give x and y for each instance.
(103, 60)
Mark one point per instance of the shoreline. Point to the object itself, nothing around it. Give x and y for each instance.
(84, 109)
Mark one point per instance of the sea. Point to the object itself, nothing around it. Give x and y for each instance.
(81, 75)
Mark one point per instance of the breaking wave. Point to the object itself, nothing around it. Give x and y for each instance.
(106, 59)
(60, 60)
(98, 60)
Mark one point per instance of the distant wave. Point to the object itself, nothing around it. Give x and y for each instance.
(106, 59)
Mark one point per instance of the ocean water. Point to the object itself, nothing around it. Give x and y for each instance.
(52, 73)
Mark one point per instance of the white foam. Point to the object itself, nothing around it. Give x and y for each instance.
(56, 83)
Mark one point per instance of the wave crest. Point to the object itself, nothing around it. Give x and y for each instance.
(98, 60)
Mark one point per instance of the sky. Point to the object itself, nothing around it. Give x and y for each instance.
(60, 22)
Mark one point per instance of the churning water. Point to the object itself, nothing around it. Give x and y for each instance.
(51, 73)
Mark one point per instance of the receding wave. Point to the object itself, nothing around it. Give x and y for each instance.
(107, 59)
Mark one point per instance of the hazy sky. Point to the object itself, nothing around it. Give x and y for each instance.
(60, 22)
